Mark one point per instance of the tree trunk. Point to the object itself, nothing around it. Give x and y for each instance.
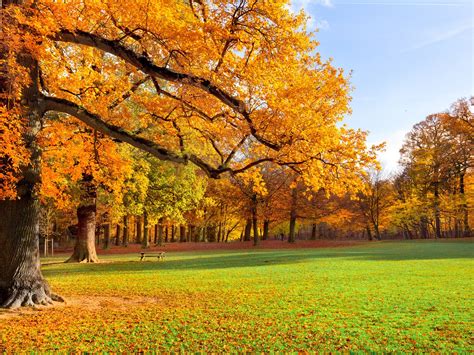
(182, 233)
(118, 235)
(173, 234)
(377, 232)
(21, 280)
(464, 207)
(248, 230)
(255, 221)
(192, 233)
(106, 236)
(160, 232)
(266, 228)
(211, 233)
(146, 229)
(294, 197)
(369, 233)
(313, 231)
(125, 236)
(437, 211)
(424, 228)
(219, 232)
(84, 250)
(139, 233)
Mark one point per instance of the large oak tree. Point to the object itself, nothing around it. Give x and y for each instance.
(223, 84)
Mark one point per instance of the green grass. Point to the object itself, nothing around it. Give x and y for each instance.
(390, 296)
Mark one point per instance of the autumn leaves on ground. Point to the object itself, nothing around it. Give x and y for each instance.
(388, 296)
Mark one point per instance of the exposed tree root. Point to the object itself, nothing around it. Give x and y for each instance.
(82, 259)
(34, 294)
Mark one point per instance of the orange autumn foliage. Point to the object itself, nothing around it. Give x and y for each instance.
(223, 84)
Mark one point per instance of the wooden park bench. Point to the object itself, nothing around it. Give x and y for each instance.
(160, 255)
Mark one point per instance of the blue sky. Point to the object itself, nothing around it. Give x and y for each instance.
(409, 58)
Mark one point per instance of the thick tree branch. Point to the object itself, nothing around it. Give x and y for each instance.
(94, 121)
(146, 65)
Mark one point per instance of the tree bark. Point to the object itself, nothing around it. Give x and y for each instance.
(21, 280)
(182, 233)
(84, 250)
(377, 231)
(125, 236)
(314, 229)
(294, 199)
(248, 230)
(219, 232)
(369, 233)
(173, 234)
(160, 232)
(139, 233)
(146, 228)
(255, 221)
(266, 228)
(118, 235)
(437, 211)
(107, 236)
(464, 206)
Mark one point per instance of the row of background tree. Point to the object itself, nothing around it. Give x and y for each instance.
(139, 199)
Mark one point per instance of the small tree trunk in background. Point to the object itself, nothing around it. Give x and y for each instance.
(369, 233)
(437, 211)
(457, 225)
(106, 236)
(84, 249)
(146, 229)
(211, 233)
(294, 198)
(160, 231)
(219, 232)
(118, 235)
(166, 234)
(464, 207)
(254, 220)
(173, 234)
(377, 232)
(266, 229)
(182, 233)
(314, 230)
(138, 230)
(248, 230)
(192, 233)
(125, 236)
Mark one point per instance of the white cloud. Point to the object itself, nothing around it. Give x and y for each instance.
(322, 25)
(313, 24)
(440, 37)
(297, 5)
(390, 157)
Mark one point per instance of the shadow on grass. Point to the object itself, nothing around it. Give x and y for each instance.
(385, 251)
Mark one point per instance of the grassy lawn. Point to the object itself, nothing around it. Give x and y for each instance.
(389, 296)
